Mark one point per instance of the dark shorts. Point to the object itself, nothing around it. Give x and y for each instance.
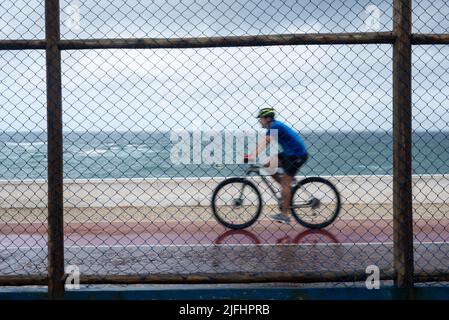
(291, 164)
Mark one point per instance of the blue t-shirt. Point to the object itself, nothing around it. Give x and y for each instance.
(289, 140)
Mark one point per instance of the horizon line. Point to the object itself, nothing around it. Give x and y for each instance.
(168, 130)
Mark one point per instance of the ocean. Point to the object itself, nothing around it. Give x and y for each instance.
(119, 155)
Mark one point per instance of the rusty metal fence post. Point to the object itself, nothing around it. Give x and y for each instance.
(402, 160)
(55, 151)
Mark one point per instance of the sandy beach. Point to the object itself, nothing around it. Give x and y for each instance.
(202, 213)
(188, 199)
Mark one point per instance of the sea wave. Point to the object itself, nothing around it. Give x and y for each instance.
(92, 152)
(26, 145)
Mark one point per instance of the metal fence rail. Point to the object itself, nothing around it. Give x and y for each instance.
(122, 82)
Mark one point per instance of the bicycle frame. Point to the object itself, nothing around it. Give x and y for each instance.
(256, 169)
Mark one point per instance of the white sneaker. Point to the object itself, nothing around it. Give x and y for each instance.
(280, 218)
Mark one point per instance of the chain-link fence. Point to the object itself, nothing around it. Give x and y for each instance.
(147, 104)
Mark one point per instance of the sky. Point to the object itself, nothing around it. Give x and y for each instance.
(336, 88)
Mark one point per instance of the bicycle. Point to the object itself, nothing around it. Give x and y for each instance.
(236, 205)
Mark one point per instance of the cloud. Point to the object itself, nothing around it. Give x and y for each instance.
(22, 19)
(223, 87)
(316, 87)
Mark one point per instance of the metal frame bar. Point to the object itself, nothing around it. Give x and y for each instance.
(278, 40)
(22, 44)
(25, 280)
(232, 277)
(427, 39)
(55, 151)
(402, 137)
(231, 41)
(248, 277)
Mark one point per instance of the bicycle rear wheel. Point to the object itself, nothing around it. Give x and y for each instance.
(315, 202)
(236, 203)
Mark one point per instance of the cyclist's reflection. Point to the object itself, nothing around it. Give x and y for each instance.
(233, 237)
(309, 236)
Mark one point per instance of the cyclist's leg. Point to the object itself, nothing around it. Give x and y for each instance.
(295, 163)
(278, 177)
(283, 180)
(286, 183)
(291, 166)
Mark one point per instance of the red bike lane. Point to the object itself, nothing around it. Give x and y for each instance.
(176, 233)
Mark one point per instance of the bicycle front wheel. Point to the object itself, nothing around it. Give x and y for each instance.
(315, 202)
(236, 203)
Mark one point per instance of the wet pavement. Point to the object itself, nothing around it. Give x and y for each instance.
(206, 247)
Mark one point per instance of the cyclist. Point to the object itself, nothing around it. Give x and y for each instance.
(294, 154)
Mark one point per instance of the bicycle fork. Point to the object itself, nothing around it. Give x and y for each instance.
(239, 201)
